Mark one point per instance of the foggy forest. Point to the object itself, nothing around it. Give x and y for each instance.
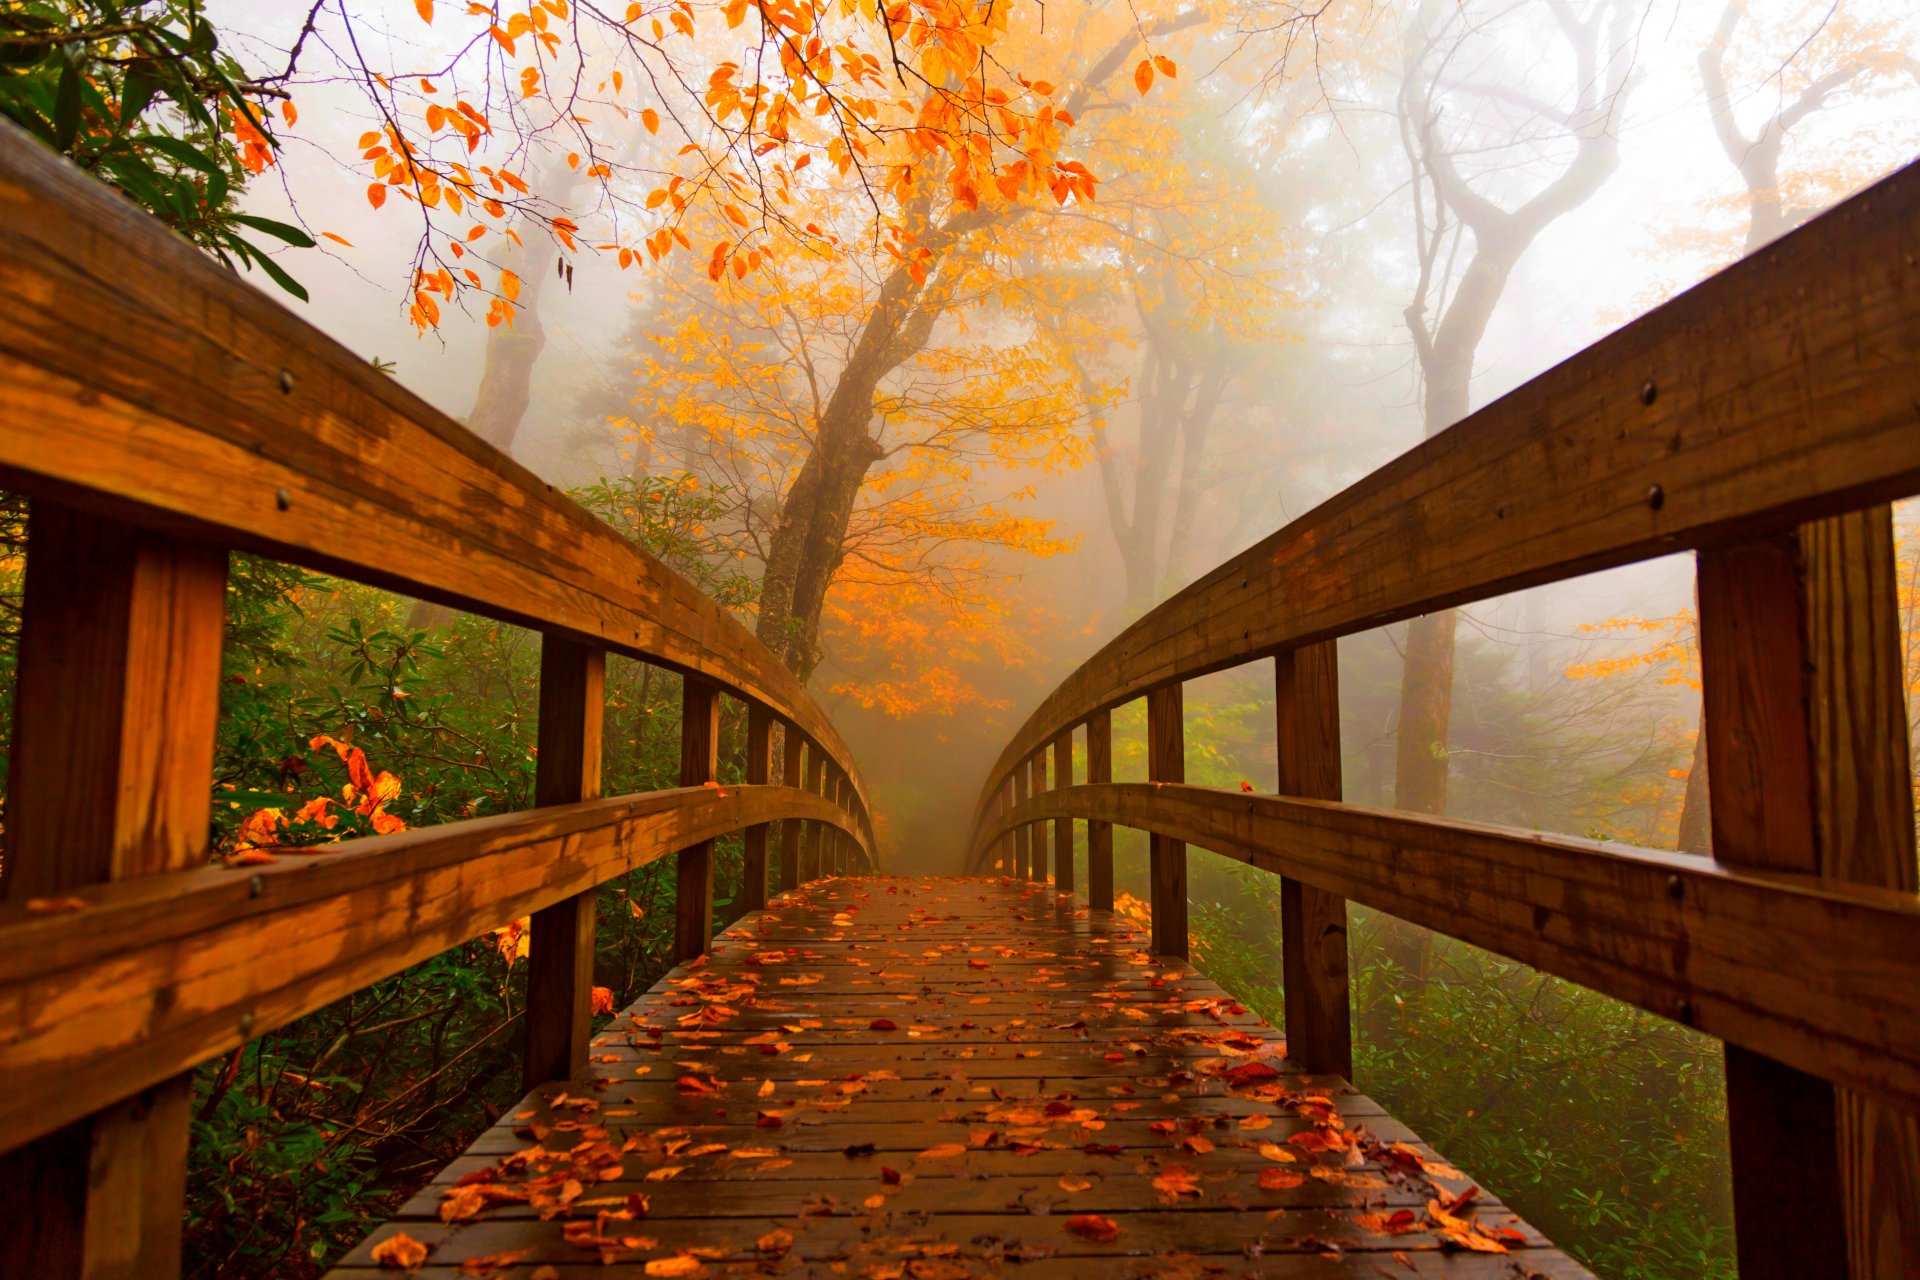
(936, 342)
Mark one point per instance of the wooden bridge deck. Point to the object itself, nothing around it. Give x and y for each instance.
(945, 1078)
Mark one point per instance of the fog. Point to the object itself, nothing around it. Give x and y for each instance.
(1306, 158)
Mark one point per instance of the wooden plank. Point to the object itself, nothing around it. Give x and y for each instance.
(875, 1156)
(115, 712)
(699, 765)
(1167, 762)
(1100, 833)
(1756, 718)
(1039, 867)
(1864, 833)
(759, 771)
(1313, 922)
(1822, 975)
(142, 379)
(1783, 390)
(792, 750)
(155, 975)
(560, 943)
(1063, 827)
(816, 783)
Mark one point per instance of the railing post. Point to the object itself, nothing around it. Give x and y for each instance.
(699, 762)
(1022, 835)
(115, 714)
(1864, 830)
(1063, 827)
(1167, 762)
(1313, 922)
(1041, 864)
(560, 941)
(816, 783)
(1100, 834)
(792, 745)
(833, 867)
(1794, 677)
(759, 773)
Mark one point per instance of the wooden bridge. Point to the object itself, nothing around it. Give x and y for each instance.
(987, 1075)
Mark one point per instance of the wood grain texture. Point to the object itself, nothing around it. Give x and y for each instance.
(759, 771)
(1786, 390)
(1063, 827)
(1041, 866)
(846, 1112)
(1823, 975)
(560, 940)
(699, 766)
(1167, 856)
(792, 758)
(154, 975)
(1100, 833)
(1022, 833)
(1864, 832)
(139, 378)
(113, 740)
(817, 784)
(1313, 922)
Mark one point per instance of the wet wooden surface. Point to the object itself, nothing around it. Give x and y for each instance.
(935, 1079)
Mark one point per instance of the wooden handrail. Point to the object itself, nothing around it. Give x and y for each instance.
(1761, 419)
(160, 412)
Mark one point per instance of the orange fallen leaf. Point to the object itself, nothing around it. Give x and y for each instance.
(1280, 1179)
(400, 1252)
(679, 1265)
(1177, 1181)
(775, 1242)
(945, 1151)
(1093, 1226)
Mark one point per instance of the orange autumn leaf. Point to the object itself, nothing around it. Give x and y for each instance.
(1280, 1179)
(376, 194)
(1095, 1227)
(1177, 1181)
(1143, 76)
(425, 9)
(651, 119)
(602, 1000)
(678, 1265)
(400, 1252)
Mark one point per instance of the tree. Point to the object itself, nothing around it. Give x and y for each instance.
(1468, 244)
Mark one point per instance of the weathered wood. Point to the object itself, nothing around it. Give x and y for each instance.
(114, 719)
(1167, 762)
(816, 783)
(1864, 834)
(699, 765)
(1783, 390)
(1039, 867)
(155, 975)
(1100, 833)
(820, 1131)
(759, 771)
(1822, 975)
(134, 367)
(1756, 720)
(792, 752)
(1022, 834)
(1063, 827)
(560, 941)
(1313, 922)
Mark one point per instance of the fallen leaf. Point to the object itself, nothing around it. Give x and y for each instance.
(945, 1151)
(679, 1265)
(1280, 1179)
(400, 1252)
(775, 1242)
(1092, 1226)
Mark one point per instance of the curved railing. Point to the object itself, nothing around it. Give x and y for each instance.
(158, 411)
(1761, 419)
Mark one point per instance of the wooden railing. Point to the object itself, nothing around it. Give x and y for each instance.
(1763, 419)
(159, 412)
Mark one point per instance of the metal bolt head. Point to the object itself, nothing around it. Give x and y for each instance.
(246, 1025)
(286, 381)
(282, 499)
(256, 885)
(1656, 497)
(1649, 392)
(1676, 888)
(1684, 1011)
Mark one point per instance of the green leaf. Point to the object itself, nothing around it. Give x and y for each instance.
(274, 270)
(66, 108)
(180, 150)
(292, 235)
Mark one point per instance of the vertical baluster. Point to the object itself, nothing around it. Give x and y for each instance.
(1167, 762)
(1754, 665)
(114, 722)
(699, 763)
(1313, 922)
(560, 945)
(1063, 827)
(759, 773)
(792, 746)
(816, 783)
(1022, 835)
(1100, 834)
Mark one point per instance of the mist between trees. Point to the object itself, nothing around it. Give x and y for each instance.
(940, 341)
